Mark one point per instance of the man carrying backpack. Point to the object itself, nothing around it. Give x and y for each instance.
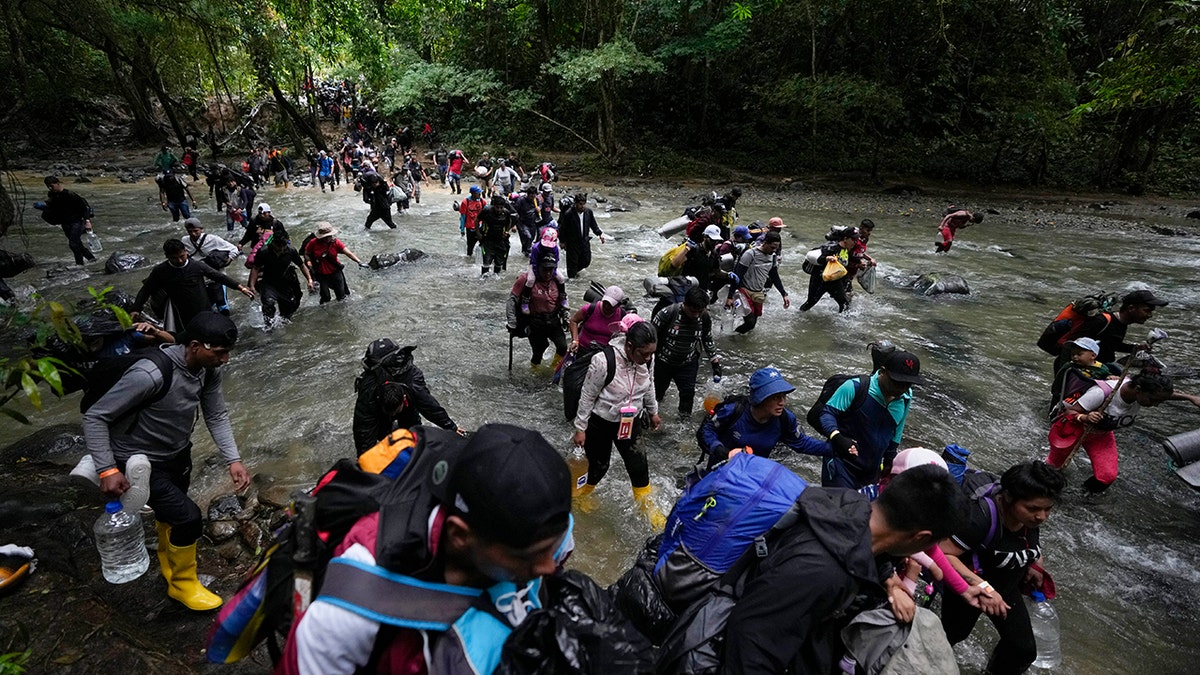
(392, 394)
(833, 561)
(152, 411)
(473, 537)
(72, 213)
(865, 430)
(757, 423)
(1109, 329)
(756, 271)
(683, 329)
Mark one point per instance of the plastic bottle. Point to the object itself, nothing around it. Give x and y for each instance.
(713, 395)
(93, 242)
(121, 543)
(256, 316)
(578, 465)
(1044, 620)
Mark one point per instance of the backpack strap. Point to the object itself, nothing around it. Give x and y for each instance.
(860, 392)
(373, 592)
(610, 360)
(985, 494)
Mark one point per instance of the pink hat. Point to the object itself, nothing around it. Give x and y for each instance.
(629, 321)
(549, 237)
(907, 459)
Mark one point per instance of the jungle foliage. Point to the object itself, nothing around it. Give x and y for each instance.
(1032, 91)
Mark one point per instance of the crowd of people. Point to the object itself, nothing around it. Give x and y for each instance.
(883, 522)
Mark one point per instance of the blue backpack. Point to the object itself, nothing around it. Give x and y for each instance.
(719, 519)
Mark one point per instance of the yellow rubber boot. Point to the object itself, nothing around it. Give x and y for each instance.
(183, 584)
(583, 499)
(164, 540)
(557, 360)
(641, 496)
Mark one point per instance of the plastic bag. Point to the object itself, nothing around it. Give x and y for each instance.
(834, 270)
(580, 630)
(866, 279)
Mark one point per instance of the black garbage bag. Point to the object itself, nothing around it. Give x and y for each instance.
(639, 597)
(407, 255)
(123, 261)
(12, 264)
(579, 631)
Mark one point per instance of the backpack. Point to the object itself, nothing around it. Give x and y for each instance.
(827, 390)
(665, 269)
(978, 485)
(1066, 325)
(574, 375)
(717, 520)
(107, 372)
(393, 472)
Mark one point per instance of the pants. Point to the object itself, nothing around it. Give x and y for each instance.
(947, 240)
(1101, 448)
(384, 214)
(818, 287)
(683, 376)
(1015, 651)
(495, 254)
(169, 482)
(579, 256)
(179, 209)
(834, 473)
(527, 232)
(335, 282)
(455, 182)
(271, 296)
(281, 178)
(542, 333)
(74, 232)
(472, 239)
(326, 180)
(601, 437)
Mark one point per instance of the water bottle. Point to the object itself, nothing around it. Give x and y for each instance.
(578, 464)
(713, 396)
(121, 543)
(1044, 620)
(256, 316)
(93, 242)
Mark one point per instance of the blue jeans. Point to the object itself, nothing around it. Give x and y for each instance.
(179, 208)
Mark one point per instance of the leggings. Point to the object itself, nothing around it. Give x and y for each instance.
(384, 214)
(601, 436)
(74, 232)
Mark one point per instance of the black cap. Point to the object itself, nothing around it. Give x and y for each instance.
(510, 486)
(213, 329)
(1143, 298)
(904, 367)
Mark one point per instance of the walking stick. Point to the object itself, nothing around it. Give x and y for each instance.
(510, 350)
(1156, 334)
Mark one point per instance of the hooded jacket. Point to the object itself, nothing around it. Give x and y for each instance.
(372, 424)
(797, 599)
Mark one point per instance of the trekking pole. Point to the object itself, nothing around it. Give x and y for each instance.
(510, 350)
(304, 556)
(1156, 334)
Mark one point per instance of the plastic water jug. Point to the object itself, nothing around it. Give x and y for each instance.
(121, 543)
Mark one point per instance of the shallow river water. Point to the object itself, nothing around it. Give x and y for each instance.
(1127, 568)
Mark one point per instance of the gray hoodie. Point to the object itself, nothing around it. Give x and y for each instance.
(163, 429)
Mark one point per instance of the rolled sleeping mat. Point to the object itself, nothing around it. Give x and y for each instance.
(727, 262)
(594, 292)
(1184, 451)
(674, 226)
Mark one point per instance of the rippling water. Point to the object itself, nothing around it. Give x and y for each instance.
(1126, 568)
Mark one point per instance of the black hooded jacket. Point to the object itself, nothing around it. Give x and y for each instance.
(372, 424)
(797, 600)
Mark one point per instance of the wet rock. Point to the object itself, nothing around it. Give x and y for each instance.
(65, 271)
(1167, 231)
(225, 507)
(276, 496)
(384, 260)
(221, 530)
(231, 550)
(902, 189)
(936, 283)
(1194, 214)
(992, 212)
(1098, 207)
(251, 536)
(123, 261)
(61, 442)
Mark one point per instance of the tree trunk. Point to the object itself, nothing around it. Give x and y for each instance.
(291, 113)
(16, 48)
(144, 126)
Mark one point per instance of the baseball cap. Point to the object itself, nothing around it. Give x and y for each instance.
(475, 189)
(1142, 298)
(741, 231)
(212, 329)
(713, 232)
(510, 485)
(613, 295)
(264, 208)
(766, 382)
(192, 222)
(904, 367)
(907, 459)
(776, 222)
(1087, 343)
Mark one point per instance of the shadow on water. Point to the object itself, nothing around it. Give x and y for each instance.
(1126, 567)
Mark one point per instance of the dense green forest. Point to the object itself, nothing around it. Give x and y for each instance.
(1061, 92)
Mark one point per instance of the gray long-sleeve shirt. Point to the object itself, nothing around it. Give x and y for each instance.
(162, 429)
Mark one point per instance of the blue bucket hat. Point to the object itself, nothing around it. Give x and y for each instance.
(765, 383)
(475, 189)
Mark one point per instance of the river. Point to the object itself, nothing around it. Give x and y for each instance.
(1126, 566)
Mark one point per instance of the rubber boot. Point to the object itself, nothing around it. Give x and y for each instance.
(641, 496)
(183, 584)
(164, 540)
(583, 499)
(557, 360)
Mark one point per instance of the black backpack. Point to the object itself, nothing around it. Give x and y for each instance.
(107, 372)
(831, 385)
(575, 373)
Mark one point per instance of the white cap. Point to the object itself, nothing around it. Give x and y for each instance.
(264, 208)
(713, 232)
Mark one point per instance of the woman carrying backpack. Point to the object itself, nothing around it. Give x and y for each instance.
(608, 412)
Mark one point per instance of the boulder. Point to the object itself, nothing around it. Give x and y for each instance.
(123, 261)
(12, 264)
(1194, 214)
(61, 442)
(936, 283)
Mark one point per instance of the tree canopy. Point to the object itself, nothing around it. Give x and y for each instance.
(1031, 91)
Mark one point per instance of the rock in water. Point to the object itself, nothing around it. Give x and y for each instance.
(56, 443)
(12, 264)
(408, 255)
(936, 283)
(123, 261)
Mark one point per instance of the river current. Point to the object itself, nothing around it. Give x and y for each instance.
(1127, 567)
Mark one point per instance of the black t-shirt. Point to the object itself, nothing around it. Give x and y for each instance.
(1004, 561)
(172, 186)
(277, 269)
